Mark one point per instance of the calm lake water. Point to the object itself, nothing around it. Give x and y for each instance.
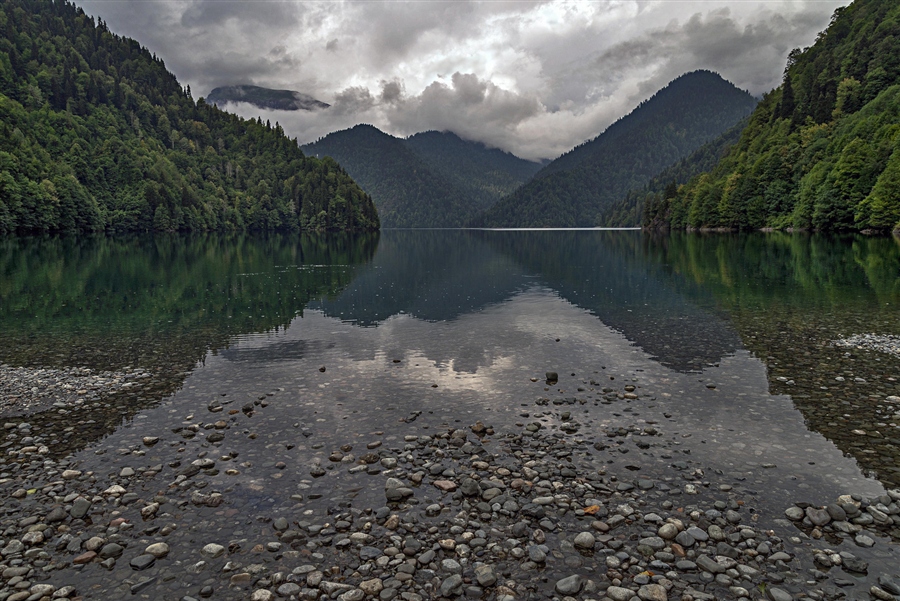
(729, 339)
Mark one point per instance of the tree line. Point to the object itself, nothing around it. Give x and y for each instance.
(820, 152)
(96, 134)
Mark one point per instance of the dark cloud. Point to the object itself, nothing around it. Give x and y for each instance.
(352, 101)
(205, 13)
(392, 91)
(749, 54)
(531, 77)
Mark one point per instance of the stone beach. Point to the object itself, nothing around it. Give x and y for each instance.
(562, 416)
(537, 509)
(27, 390)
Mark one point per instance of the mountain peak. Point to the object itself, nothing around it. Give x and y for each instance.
(265, 98)
(576, 188)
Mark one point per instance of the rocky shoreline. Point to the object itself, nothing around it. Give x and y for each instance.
(527, 512)
(28, 390)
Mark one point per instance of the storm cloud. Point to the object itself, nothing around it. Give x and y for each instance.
(535, 78)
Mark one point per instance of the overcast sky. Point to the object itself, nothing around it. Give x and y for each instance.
(534, 78)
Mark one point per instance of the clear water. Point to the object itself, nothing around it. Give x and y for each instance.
(728, 339)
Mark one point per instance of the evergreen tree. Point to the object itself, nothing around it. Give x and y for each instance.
(96, 134)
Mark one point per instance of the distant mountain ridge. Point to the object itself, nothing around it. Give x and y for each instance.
(265, 98)
(578, 188)
(472, 167)
(432, 179)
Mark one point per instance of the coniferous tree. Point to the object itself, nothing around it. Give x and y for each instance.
(98, 135)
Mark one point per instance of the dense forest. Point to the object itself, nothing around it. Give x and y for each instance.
(632, 210)
(485, 174)
(578, 188)
(820, 152)
(96, 134)
(432, 179)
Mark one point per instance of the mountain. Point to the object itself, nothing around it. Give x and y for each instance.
(485, 174)
(633, 210)
(578, 187)
(431, 179)
(96, 134)
(405, 190)
(822, 151)
(265, 98)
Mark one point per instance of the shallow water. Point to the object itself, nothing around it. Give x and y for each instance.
(729, 341)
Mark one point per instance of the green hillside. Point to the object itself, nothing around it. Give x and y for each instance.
(823, 150)
(631, 210)
(96, 134)
(431, 179)
(406, 191)
(578, 188)
(485, 174)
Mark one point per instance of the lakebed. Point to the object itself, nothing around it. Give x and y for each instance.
(398, 438)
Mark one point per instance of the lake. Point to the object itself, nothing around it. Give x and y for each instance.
(762, 363)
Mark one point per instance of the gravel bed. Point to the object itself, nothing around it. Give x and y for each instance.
(872, 342)
(29, 390)
(466, 512)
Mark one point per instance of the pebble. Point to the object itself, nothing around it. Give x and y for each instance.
(157, 550)
(471, 513)
(570, 585)
(213, 550)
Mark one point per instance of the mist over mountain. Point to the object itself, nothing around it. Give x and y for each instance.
(265, 98)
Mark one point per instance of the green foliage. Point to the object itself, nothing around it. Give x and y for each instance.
(643, 205)
(581, 187)
(819, 151)
(431, 179)
(96, 134)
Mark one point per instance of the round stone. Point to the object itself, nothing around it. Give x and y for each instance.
(157, 550)
(585, 540)
(668, 531)
(570, 585)
(213, 550)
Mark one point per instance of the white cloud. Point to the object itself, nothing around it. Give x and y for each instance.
(535, 78)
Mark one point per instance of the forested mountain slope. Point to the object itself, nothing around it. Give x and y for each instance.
(431, 179)
(96, 134)
(577, 188)
(631, 210)
(405, 190)
(823, 150)
(486, 174)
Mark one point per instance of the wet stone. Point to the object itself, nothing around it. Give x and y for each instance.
(157, 550)
(287, 589)
(142, 562)
(652, 592)
(142, 585)
(776, 594)
(570, 585)
(111, 550)
(213, 550)
(451, 586)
